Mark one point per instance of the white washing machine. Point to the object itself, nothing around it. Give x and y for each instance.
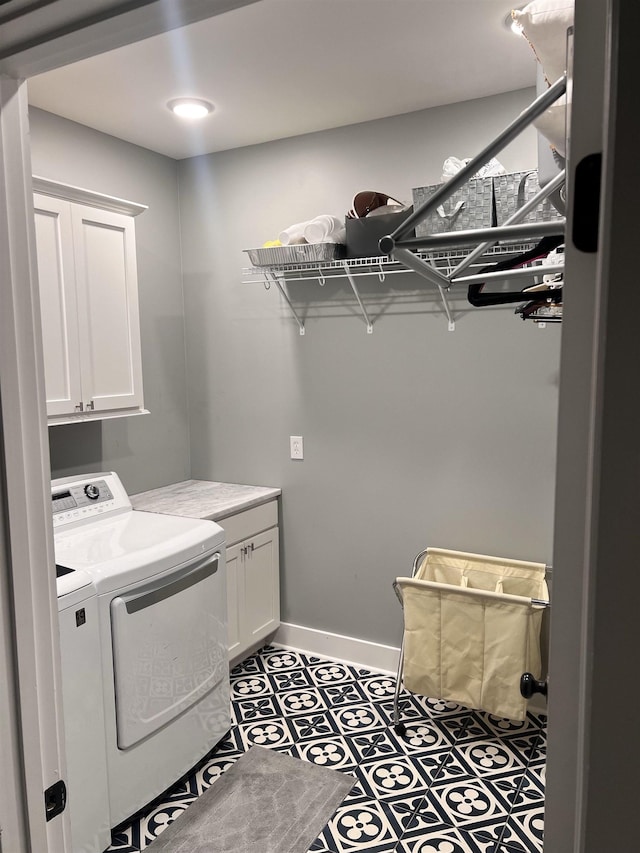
(83, 706)
(161, 598)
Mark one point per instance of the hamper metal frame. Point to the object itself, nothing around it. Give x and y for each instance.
(398, 726)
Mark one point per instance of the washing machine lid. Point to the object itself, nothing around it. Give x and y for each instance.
(69, 581)
(118, 550)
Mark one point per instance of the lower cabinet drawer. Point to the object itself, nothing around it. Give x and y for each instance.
(245, 524)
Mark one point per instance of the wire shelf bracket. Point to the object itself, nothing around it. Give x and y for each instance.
(272, 277)
(354, 287)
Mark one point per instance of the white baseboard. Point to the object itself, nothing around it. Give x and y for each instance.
(364, 653)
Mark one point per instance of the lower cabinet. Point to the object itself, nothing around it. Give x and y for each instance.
(253, 577)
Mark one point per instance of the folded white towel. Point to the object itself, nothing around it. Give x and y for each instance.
(325, 229)
(293, 234)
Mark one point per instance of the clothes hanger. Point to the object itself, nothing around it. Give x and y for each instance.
(479, 299)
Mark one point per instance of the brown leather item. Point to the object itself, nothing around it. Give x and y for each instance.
(367, 200)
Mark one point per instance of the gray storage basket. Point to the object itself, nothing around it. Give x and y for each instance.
(513, 190)
(471, 206)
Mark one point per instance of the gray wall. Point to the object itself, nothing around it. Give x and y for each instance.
(414, 435)
(150, 450)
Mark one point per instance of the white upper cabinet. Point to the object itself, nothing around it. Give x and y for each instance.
(107, 289)
(58, 308)
(89, 303)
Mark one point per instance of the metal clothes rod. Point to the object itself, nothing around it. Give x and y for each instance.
(505, 275)
(535, 109)
(426, 270)
(423, 267)
(523, 232)
(543, 318)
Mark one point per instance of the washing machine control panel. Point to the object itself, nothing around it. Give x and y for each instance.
(74, 501)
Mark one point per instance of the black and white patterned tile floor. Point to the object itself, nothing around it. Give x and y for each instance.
(461, 781)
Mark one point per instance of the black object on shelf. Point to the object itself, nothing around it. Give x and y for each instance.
(363, 234)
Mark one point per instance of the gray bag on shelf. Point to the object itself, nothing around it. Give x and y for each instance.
(513, 190)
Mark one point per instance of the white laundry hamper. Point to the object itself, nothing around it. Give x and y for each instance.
(472, 626)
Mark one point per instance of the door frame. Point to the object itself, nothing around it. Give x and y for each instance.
(595, 631)
(583, 337)
(31, 663)
(31, 727)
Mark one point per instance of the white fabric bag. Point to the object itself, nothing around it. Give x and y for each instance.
(471, 629)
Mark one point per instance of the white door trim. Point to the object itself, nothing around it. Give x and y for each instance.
(569, 688)
(12, 811)
(591, 793)
(612, 750)
(28, 619)
(66, 31)
(27, 480)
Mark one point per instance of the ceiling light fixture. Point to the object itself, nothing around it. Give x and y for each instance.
(190, 107)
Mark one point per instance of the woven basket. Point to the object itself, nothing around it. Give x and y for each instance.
(471, 206)
(513, 190)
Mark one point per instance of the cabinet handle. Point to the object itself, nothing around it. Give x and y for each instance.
(252, 547)
(90, 405)
(80, 407)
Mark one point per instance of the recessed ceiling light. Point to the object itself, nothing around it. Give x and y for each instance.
(190, 107)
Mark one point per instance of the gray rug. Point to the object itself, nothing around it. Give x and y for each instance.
(266, 803)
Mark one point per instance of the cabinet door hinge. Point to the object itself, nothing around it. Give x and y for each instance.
(55, 799)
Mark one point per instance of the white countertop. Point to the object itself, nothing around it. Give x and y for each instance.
(203, 499)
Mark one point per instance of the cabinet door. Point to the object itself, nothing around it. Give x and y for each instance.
(235, 595)
(111, 368)
(58, 308)
(262, 585)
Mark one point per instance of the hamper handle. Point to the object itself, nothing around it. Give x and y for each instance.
(522, 187)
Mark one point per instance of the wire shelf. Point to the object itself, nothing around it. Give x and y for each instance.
(380, 265)
(440, 259)
(444, 262)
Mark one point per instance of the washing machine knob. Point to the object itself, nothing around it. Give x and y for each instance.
(92, 491)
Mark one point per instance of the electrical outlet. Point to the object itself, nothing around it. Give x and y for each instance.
(295, 443)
